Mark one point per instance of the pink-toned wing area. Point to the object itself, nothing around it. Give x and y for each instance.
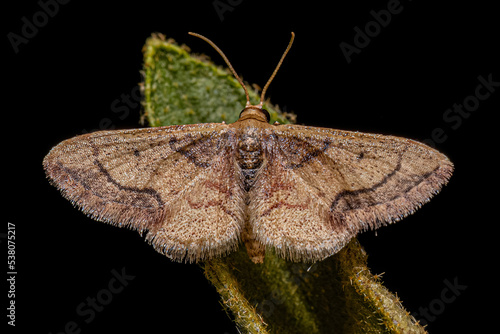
(319, 187)
(179, 184)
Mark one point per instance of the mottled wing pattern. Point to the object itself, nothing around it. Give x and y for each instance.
(319, 187)
(179, 183)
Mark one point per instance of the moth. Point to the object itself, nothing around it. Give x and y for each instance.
(197, 191)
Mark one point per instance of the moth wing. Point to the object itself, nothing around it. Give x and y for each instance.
(319, 187)
(179, 183)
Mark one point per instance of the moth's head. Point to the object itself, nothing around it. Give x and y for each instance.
(255, 112)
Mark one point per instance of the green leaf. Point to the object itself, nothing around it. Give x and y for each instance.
(184, 89)
(337, 295)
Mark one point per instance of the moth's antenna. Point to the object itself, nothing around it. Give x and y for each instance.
(227, 62)
(275, 71)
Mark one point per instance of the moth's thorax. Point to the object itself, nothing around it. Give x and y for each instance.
(249, 154)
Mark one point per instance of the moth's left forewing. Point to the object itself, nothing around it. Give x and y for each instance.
(333, 184)
(178, 183)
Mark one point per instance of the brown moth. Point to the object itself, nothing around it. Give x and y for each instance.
(197, 190)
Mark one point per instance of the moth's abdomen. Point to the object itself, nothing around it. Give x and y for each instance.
(249, 157)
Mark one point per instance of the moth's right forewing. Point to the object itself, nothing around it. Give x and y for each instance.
(320, 187)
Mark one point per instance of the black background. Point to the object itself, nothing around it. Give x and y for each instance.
(64, 80)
